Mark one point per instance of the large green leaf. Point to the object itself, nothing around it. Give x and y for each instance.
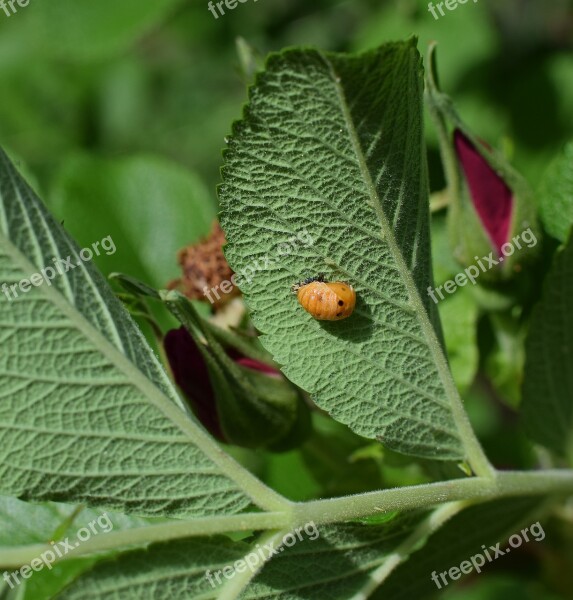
(86, 411)
(332, 144)
(169, 571)
(327, 562)
(337, 565)
(548, 383)
(464, 536)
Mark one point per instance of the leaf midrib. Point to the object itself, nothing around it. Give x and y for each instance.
(387, 233)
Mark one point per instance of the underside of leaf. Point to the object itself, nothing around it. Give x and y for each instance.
(331, 148)
(86, 412)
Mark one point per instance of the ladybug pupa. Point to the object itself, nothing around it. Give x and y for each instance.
(326, 300)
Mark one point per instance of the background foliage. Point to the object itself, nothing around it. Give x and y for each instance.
(120, 110)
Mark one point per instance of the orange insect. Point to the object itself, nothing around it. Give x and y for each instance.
(326, 301)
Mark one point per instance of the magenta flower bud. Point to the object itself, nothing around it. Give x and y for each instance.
(492, 219)
(492, 198)
(192, 376)
(269, 414)
(491, 215)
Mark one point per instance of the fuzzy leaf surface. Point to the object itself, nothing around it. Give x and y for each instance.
(87, 414)
(482, 525)
(547, 405)
(330, 151)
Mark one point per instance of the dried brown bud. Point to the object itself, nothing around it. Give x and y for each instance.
(206, 273)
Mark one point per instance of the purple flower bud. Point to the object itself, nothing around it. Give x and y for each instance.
(192, 376)
(491, 196)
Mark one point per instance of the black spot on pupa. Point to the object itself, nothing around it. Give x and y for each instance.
(340, 303)
(339, 314)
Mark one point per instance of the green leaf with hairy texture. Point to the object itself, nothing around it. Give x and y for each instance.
(547, 404)
(331, 144)
(337, 565)
(458, 540)
(87, 413)
(170, 571)
(321, 562)
(556, 195)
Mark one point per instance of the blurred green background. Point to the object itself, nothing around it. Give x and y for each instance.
(117, 111)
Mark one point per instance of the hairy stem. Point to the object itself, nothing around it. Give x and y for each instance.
(336, 510)
(503, 484)
(138, 536)
(434, 101)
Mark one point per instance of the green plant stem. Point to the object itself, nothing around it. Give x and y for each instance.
(162, 532)
(235, 586)
(321, 512)
(435, 102)
(503, 484)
